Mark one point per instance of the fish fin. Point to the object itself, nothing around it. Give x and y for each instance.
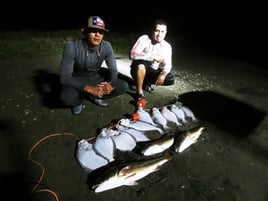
(132, 175)
(124, 170)
(157, 168)
(132, 183)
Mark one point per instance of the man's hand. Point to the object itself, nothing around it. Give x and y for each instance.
(107, 87)
(100, 89)
(96, 91)
(158, 58)
(161, 78)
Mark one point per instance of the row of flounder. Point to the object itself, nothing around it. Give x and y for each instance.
(131, 135)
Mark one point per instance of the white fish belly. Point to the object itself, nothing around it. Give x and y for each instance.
(105, 147)
(124, 141)
(87, 157)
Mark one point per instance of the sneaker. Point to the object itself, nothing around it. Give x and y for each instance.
(139, 96)
(149, 89)
(140, 100)
(101, 102)
(97, 101)
(77, 109)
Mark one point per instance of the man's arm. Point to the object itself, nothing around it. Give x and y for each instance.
(67, 65)
(140, 49)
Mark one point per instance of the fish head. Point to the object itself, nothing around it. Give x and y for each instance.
(84, 145)
(195, 133)
(190, 137)
(164, 108)
(109, 183)
(124, 122)
(173, 106)
(140, 109)
(120, 127)
(106, 179)
(178, 104)
(154, 109)
(104, 133)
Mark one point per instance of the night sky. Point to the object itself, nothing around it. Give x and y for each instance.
(133, 14)
(241, 26)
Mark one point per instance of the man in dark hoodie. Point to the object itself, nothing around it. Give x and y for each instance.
(81, 73)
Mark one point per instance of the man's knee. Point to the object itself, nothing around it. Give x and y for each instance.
(170, 79)
(135, 69)
(70, 96)
(141, 67)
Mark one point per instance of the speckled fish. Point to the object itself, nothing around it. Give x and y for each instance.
(128, 173)
(87, 157)
(139, 136)
(188, 113)
(139, 125)
(155, 146)
(159, 119)
(169, 116)
(187, 138)
(104, 145)
(178, 112)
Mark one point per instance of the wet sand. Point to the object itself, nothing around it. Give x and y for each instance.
(229, 161)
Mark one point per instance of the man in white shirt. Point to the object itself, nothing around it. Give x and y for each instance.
(152, 60)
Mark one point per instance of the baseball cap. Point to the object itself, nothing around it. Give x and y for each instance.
(95, 22)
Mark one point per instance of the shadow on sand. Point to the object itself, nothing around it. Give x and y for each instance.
(49, 87)
(238, 118)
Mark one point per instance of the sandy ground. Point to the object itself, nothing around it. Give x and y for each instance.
(229, 162)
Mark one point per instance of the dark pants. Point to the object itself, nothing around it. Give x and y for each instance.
(73, 97)
(151, 74)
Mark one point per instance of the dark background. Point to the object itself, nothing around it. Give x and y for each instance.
(237, 29)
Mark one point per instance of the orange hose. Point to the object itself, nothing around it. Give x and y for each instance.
(34, 189)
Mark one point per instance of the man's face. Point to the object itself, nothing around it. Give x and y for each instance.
(159, 33)
(94, 37)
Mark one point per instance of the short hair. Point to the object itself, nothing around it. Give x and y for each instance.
(159, 22)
